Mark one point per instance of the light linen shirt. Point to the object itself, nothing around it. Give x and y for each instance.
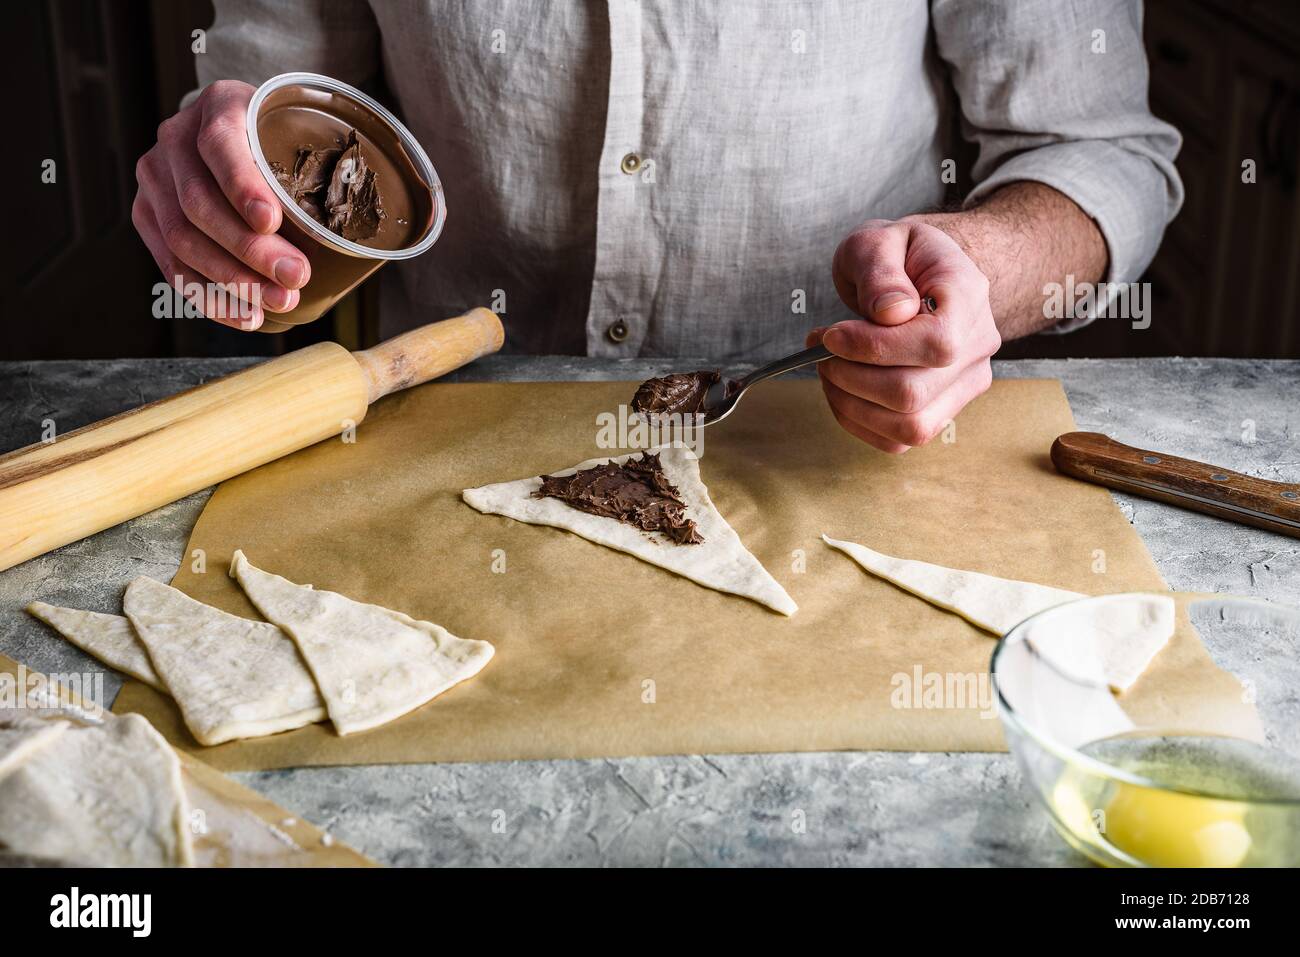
(671, 177)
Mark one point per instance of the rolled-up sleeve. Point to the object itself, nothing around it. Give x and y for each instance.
(1056, 92)
(254, 40)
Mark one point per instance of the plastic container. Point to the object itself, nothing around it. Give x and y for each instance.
(338, 265)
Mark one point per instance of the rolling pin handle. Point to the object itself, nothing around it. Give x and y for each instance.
(430, 351)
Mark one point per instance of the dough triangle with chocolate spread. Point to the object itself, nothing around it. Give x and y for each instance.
(652, 505)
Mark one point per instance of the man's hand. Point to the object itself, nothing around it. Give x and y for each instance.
(208, 216)
(904, 370)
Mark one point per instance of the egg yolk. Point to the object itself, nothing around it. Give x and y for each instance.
(1167, 829)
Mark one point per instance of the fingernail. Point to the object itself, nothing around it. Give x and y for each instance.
(260, 215)
(888, 299)
(288, 272)
(277, 297)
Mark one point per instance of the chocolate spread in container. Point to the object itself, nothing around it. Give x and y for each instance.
(636, 493)
(344, 167)
(682, 393)
(336, 187)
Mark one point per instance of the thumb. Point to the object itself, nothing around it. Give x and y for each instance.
(871, 277)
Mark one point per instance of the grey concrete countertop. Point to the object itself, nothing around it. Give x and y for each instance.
(869, 808)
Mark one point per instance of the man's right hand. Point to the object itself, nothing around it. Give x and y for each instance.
(208, 216)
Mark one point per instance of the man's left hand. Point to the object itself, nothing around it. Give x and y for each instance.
(903, 371)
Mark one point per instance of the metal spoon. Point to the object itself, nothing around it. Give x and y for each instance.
(723, 395)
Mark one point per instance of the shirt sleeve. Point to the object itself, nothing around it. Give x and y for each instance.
(1043, 102)
(254, 40)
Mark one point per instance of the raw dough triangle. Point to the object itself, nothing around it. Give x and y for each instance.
(371, 664)
(20, 738)
(109, 638)
(1114, 643)
(995, 604)
(231, 677)
(108, 795)
(721, 562)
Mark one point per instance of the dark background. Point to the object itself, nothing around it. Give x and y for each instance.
(90, 80)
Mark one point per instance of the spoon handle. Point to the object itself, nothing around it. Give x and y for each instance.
(796, 361)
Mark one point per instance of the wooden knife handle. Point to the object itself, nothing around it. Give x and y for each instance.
(1094, 457)
(430, 351)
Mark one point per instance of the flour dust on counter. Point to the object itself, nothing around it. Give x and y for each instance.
(707, 550)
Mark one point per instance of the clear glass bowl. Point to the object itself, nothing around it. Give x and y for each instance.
(1172, 773)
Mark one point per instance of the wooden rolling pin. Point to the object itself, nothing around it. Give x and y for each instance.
(91, 479)
(1094, 457)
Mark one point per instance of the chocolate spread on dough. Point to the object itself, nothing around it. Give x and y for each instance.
(681, 393)
(636, 493)
(336, 188)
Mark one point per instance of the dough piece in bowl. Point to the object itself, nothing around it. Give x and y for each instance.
(371, 664)
(720, 561)
(231, 677)
(1113, 643)
(109, 638)
(107, 795)
(20, 738)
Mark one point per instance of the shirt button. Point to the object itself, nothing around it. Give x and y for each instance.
(631, 163)
(617, 331)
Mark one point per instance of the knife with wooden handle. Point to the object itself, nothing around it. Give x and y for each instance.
(88, 480)
(1094, 457)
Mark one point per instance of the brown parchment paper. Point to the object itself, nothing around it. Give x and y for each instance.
(601, 654)
(240, 827)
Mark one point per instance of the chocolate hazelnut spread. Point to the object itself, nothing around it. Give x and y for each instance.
(637, 493)
(336, 187)
(682, 393)
(344, 167)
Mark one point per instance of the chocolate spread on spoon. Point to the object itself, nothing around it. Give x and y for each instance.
(682, 393)
(637, 493)
(335, 187)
